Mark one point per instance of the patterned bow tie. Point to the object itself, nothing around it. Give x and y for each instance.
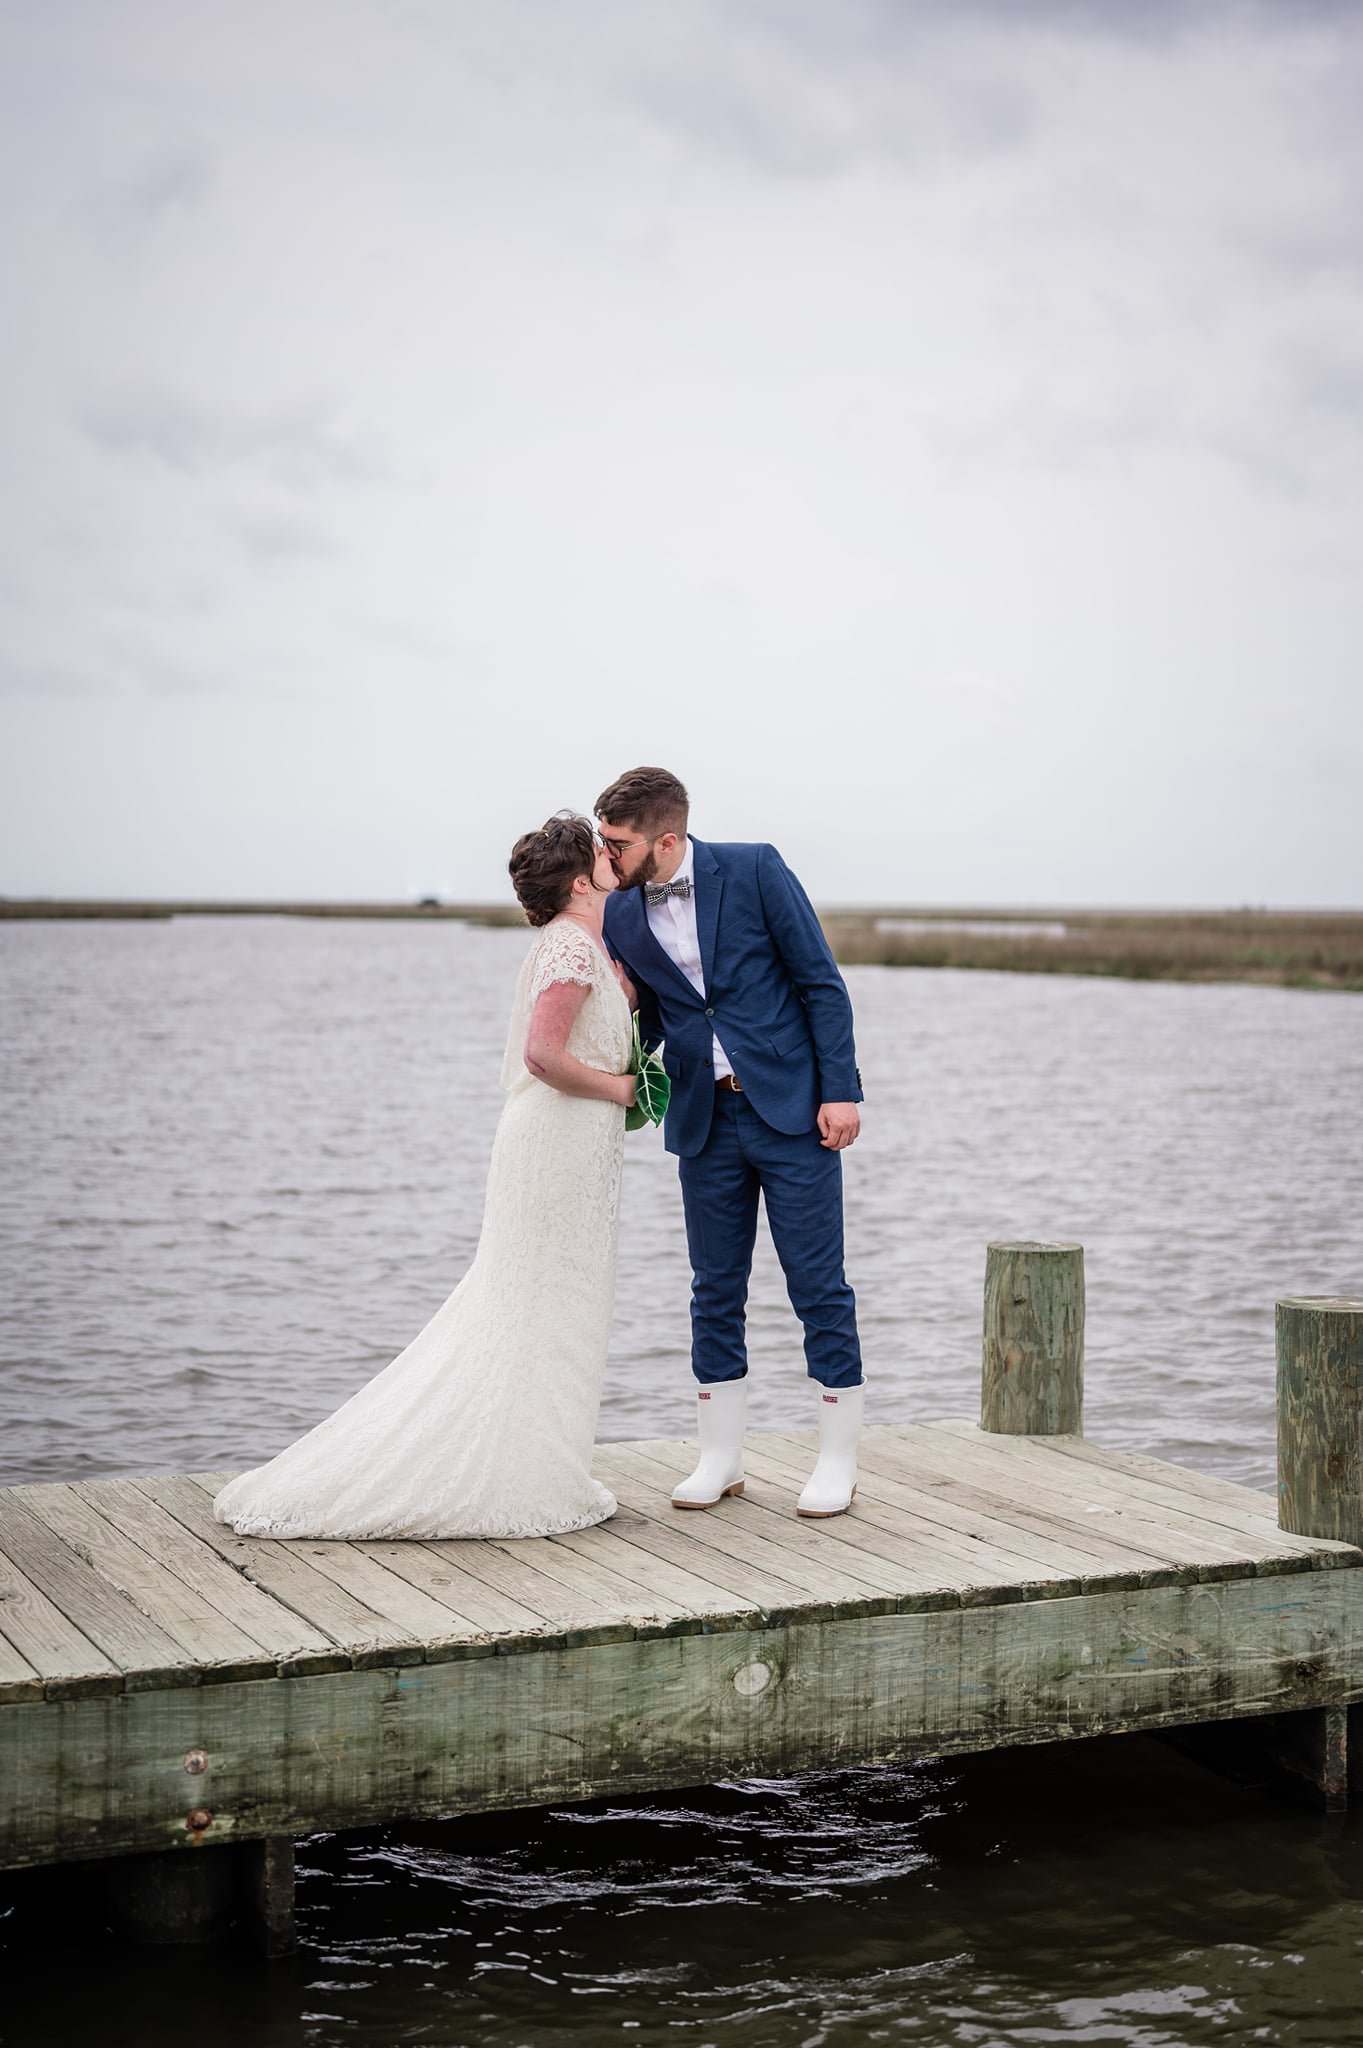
(658, 892)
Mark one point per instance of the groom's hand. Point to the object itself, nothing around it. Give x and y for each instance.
(839, 1125)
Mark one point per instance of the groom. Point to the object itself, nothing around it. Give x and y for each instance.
(734, 973)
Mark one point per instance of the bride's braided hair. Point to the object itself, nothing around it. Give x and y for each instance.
(545, 864)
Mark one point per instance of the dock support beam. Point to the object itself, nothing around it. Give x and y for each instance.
(1032, 1381)
(1320, 1493)
(187, 1895)
(268, 1895)
(205, 1895)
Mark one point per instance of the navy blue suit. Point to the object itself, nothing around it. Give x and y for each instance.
(775, 1000)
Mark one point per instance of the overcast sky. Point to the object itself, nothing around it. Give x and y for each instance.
(933, 430)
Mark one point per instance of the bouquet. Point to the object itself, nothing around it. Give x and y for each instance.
(651, 1086)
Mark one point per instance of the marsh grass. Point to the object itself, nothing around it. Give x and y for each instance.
(1306, 949)
(1287, 949)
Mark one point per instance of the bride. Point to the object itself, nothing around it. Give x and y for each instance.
(484, 1425)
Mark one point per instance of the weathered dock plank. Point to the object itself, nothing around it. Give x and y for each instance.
(1235, 1521)
(752, 1594)
(19, 1680)
(945, 1516)
(987, 1558)
(205, 1635)
(358, 1633)
(142, 1652)
(442, 1569)
(999, 1543)
(349, 1749)
(794, 1553)
(276, 1628)
(41, 1643)
(636, 1483)
(972, 1472)
(166, 1683)
(925, 1564)
(699, 1597)
(406, 1613)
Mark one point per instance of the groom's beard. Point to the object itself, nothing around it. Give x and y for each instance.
(645, 872)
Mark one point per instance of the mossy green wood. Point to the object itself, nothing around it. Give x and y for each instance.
(1032, 1381)
(103, 1777)
(1320, 1416)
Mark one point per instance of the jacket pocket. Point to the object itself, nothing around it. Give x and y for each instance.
(795, 1038)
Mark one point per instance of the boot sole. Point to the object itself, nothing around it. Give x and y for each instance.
(825, 1514)
(737, 1488)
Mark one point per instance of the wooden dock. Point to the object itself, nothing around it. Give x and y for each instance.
(167, 1685)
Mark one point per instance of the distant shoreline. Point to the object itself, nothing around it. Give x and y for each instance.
(56, 907)
(1313, 949)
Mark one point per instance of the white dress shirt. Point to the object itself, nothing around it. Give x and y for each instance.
(673, 924)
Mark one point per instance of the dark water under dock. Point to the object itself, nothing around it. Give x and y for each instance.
(247, 1158)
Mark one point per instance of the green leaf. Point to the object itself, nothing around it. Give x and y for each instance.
(652, 1088)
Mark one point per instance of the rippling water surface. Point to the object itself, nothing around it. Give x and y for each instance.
(243, 1162)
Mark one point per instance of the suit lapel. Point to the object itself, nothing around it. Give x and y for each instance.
(637, 937)
(709, 889)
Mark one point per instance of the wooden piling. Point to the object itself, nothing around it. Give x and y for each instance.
(1033, 1365)
(1320, 1417)
(1320, 1493)
(269, 1892)
(188, 1897)
(242, 1889)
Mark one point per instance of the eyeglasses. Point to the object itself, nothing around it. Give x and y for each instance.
(615, 847)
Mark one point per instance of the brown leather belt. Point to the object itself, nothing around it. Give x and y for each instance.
(729, 1082)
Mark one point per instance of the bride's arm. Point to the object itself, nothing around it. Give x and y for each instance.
(547, 1055)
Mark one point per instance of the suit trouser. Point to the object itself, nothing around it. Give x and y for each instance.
(800, 1180)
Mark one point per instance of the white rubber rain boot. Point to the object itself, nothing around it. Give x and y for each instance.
(833, 1482)
(721, 1412)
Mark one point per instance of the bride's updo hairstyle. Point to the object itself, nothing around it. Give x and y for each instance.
(545, 864)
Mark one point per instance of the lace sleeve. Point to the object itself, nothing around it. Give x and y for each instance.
(563, 954)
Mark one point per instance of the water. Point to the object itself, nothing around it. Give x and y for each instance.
(244, 1161)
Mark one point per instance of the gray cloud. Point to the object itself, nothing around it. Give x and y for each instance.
(273, 539)
(127, 209)
(806, 92)
(164, 670)
(20, 677)
(1326, 247)
(805, 89)
(174, 178)
(300, 443)
(1327, 381)
(857, 367)
(405, 638)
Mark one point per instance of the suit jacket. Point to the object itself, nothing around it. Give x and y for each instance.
(773, 996)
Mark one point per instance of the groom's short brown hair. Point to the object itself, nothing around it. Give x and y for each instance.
(649, 799)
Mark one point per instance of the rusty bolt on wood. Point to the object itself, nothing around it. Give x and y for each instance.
(196, 1763)
(196, 1822)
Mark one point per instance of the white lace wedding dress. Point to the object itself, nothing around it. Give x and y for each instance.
(484, 1425)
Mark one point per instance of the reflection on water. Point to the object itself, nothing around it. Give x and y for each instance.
(1103, 1892)
(244, 1162)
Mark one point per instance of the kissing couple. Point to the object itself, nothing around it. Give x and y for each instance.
(710, 957)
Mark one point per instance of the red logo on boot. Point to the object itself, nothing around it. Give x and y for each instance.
(702, 1397)
(833, 1398)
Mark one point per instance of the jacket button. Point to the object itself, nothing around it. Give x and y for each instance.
(709, 1013)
